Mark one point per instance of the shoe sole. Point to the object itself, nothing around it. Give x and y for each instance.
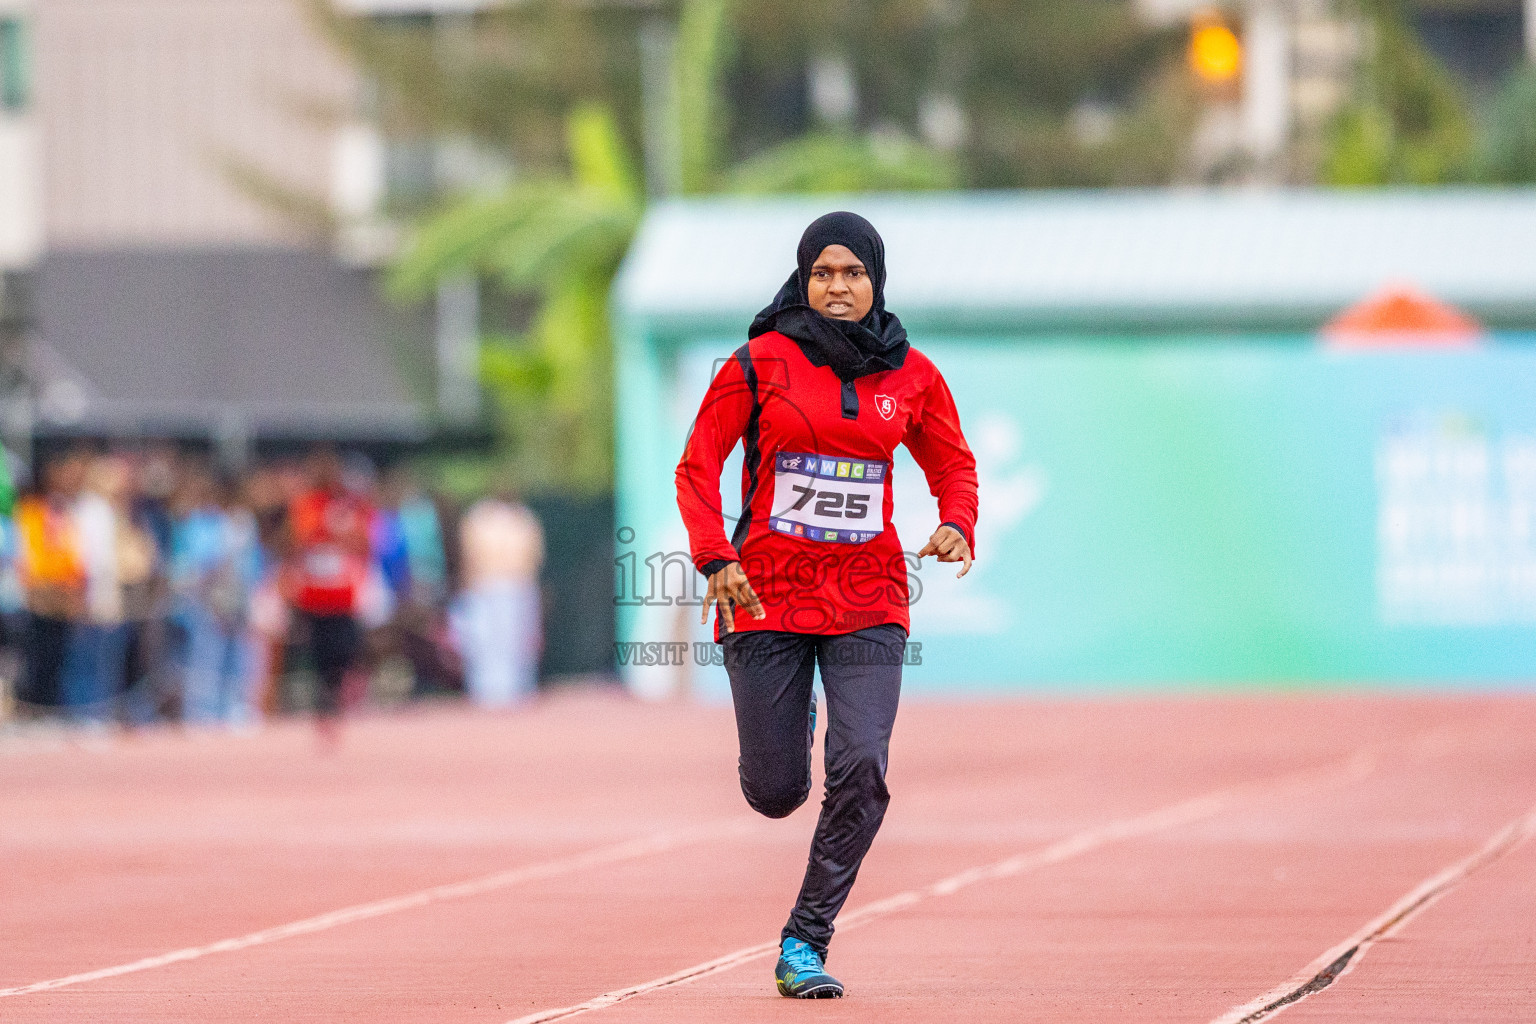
(817, 992)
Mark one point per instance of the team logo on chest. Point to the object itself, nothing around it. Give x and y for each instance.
(885, 405)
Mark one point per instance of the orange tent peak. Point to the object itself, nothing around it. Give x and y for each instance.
(1401, 315)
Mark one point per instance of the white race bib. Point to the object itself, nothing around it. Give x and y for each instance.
(827, 499)
(324, 562)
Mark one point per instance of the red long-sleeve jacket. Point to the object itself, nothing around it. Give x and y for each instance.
(815, 538)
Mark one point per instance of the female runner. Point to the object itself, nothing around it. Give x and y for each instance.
(819, 397)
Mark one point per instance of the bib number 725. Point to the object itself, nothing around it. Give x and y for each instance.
(835, 504)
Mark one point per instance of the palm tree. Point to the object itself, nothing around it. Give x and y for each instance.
(561, 237)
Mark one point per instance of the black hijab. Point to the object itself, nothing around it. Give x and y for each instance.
(852, 349)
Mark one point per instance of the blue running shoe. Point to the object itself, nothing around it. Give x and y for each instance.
(800, 975)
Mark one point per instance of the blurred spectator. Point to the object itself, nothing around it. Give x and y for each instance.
(496, 620)
(216, 567)
(13, 599)
(52, 571)
(144, 588)
(159, 478)
(268, 501)
(156, 640)
(409, 542)
(119, 559)
(376, 599)
(326, 573)
(390, 552)
(422, 528)
(140, 576)
(96, 644)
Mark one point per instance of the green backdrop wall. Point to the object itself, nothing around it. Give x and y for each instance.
(1174, 511)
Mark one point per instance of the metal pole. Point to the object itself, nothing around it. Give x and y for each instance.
(458, 349)
(232, 437)
(1267, 86)
(663, 152)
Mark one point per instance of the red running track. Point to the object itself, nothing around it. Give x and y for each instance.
(1177, 859)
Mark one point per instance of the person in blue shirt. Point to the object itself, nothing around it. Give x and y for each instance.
(215, 567)
(409, 539)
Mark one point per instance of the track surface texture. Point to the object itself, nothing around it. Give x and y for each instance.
(1189, 859)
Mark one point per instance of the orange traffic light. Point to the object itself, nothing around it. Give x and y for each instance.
(1215, 53)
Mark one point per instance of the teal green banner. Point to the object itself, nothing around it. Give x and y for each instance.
(1194, 513)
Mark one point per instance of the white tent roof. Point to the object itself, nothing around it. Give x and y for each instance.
(1112, 260)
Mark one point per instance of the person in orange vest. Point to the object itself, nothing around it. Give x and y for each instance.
(52, 571)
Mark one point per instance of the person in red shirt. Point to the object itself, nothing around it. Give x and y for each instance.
(820, 396)
(325, 575)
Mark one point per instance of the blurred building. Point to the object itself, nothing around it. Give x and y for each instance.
(189, 215)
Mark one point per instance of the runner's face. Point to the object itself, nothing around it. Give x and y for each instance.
(325, 470)
(840, 287)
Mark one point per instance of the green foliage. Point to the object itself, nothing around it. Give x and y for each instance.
(1149, 144)
(1017, 68)
(702, 40)
(599, 159)
(1507, 154)
(1409, 123)
(524, 237)
(1360, 147)
(555, 393)
(561, 240)
(827, 162)
(553, 87)
(504, 78)
(561, 236)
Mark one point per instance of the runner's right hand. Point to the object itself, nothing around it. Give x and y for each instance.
(727, 588)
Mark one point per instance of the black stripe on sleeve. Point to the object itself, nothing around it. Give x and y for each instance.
(752, 456)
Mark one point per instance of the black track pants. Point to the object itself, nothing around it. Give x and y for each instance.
(334, 641)
(771, 685)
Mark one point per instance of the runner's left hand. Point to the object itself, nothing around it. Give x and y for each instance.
(950, 546)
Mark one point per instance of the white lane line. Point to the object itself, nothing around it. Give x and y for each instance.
(1357, 767)
(1341, 959)
(629, 850)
